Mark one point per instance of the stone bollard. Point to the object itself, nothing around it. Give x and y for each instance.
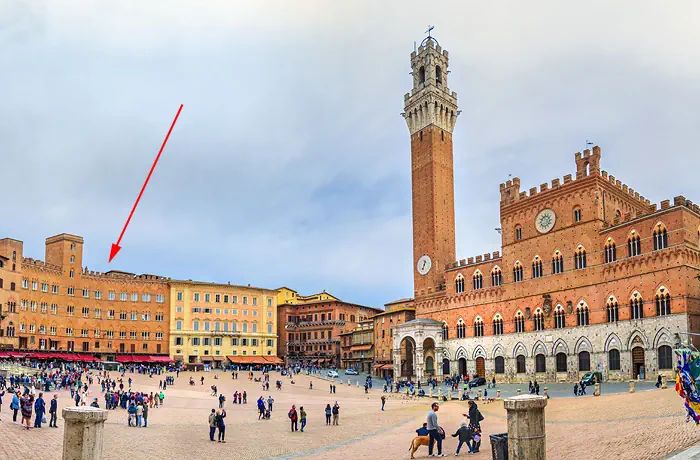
(348, 382)
(83, 433)
(631, 386)
(663, 384)
(358, 384)
(596, 391)
(517, 392)
(478, 395)
(498, 394)
(526, 430)
(546, 392)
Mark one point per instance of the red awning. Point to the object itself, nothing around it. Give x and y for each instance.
(13, 354)
(4, 355)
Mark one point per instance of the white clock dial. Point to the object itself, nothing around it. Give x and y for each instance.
(545, 220)
(424, 265)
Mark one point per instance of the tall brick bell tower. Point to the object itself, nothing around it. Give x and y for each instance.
(431, 112)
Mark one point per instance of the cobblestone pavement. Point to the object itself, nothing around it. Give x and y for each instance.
(648, 424)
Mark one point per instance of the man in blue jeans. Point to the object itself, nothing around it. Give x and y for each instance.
(433, 431)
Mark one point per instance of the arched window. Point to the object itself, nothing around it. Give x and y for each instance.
(517, 272)
(445, 331)
(561, 362)
(557, 263)
(478, 327)
(459, 283)
(438, 74)
(461, 329)
(614, 360)
(663, 302)
(634, 244)
(500, 365)
(421, 75)
(477, 280)
(559, 317)
(498, 325)
(660, 237)
(665, 357)
(518, 233)
(540, 363)
(519, 322)
(537, 267)
(582, 314)
(610, 251)
(584, 361)
(1, 264)
(580, 258)
(538, 319)
(520, 364)
(636, 306)
(613, 310)
(496, 277)
(577, 214)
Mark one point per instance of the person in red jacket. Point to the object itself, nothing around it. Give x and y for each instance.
(293, 417)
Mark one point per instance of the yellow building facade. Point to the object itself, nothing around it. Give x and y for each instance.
(220, 324)
(292, 297)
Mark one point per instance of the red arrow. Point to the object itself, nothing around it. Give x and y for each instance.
(115, 247)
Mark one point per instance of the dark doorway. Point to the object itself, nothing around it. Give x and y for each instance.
(638, 362)
(462, 366)
(480, 367)
(445, 366)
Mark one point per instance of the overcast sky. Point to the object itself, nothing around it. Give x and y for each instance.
(290, 163)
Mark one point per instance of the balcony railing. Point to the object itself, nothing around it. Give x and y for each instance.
(332, 322)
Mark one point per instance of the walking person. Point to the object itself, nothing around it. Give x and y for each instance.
(336, 413)
(14, 405)
(26, 403)
(465, 436)
(269, 402)
(221, 425)
(293, 417)
(328, 414)
(53, 411)
(433, 431)
(658, 385)
(40, 409)
(383, 401)
(145, 415)
(212, 424)
(302, 417)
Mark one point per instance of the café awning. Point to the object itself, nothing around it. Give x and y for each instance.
(247, 359)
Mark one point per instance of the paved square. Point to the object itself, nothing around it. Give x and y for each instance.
(647, 424)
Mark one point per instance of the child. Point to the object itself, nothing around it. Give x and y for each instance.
(476, 438)
(465, 434)
(423, 431)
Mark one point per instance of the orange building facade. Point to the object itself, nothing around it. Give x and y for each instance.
(309, 330)
(395, 313)
(590, 275)
(58, 306)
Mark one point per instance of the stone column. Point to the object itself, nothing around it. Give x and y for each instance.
(419, 363)
(83, 432)
(596, 392)
(517, 392)
(498, 394)
(526, 430)
(546, 392)
(631, 386)
(396, 364)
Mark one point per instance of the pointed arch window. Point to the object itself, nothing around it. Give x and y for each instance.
(636, 306)
(539, 320)
(519, 322)
(559, 317)
(478, 328)
(613, 310)
(498, 325)
(582, 314)
(557, 263)
(496, 277)
(517, 272)
(634, 245)
(421, 75)
(580, 258)
(663, 302)
(578, 215)
(518, 233)
(478, 280)
(445, 331)
(461, 329)
(660, 237)
(610, 251)
(459, 284)
(438, 75)
(537, 267)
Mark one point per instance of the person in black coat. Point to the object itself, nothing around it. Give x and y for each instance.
(474, 415)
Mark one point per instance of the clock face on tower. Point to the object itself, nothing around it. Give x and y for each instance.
(545, 220)
(424, 265)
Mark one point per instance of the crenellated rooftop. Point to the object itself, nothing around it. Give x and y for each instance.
(653, 209)
(587, 164)
(488, 257)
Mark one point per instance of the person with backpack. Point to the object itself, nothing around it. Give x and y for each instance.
(328, 412)
(14, 405)
(293, 418)
(474, 415)
(212, 424)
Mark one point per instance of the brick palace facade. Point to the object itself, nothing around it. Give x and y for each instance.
(590, 275)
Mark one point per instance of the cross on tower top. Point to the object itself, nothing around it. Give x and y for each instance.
(429, 29)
